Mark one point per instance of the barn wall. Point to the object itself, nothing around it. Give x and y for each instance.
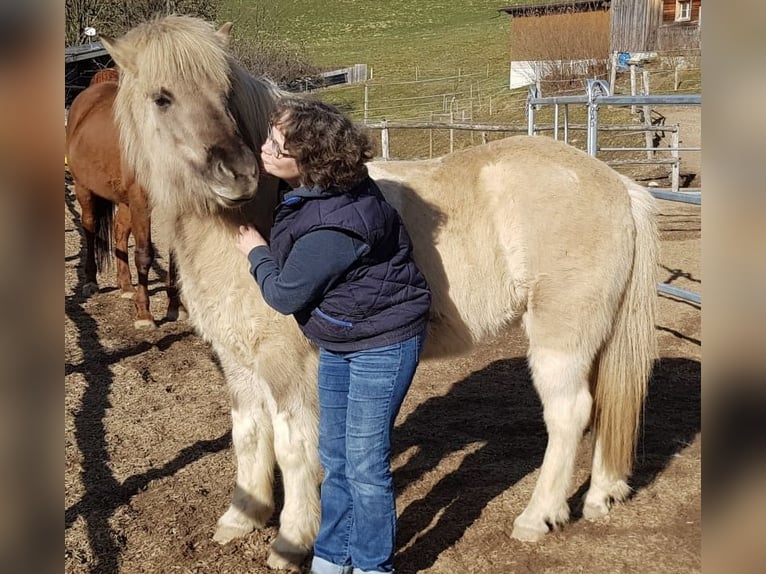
(560, 36)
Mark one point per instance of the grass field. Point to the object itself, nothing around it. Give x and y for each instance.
(392, 37)
(427, 61)
(457, 51)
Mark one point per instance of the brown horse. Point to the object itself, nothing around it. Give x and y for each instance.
(101, 182)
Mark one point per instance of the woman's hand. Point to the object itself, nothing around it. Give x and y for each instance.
(248, 237)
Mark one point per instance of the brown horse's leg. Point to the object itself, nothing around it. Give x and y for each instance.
(176, 309)
(144, 255)
(88, 219)
(122, 227)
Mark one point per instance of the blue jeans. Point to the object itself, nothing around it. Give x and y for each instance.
(359, 397)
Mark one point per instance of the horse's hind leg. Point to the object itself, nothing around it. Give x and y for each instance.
(252, 436)
(605, 488)
(561, 379)
(144, 256)
(122, 228)
(88, 220)
(296, 450)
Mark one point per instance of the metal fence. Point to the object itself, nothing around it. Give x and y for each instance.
(597, 93)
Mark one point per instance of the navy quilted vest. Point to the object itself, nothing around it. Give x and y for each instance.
(383, 298)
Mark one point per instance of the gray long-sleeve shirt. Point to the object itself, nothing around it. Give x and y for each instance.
(316, 262)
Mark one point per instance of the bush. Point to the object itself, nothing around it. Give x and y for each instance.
(115, 17)
(255, 41)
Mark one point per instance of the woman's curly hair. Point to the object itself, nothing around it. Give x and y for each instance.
(328, 147)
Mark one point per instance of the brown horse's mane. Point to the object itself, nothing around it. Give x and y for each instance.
(105, 75)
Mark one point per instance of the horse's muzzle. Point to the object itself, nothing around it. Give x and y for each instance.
(233, 177)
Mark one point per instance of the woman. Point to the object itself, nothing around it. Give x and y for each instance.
(339, 260)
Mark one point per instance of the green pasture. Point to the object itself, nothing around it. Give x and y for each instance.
(425, 58)
(427, 61)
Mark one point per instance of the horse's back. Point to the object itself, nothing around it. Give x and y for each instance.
(550, 196)
(93, 151)
(516, 222)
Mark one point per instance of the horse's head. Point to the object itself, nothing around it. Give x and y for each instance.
(175, 108)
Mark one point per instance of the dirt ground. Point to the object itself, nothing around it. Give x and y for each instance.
(149, 466)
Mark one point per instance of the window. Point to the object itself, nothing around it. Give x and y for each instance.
(683, 10)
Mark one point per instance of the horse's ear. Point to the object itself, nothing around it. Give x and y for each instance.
(120, 53)
(224, 32)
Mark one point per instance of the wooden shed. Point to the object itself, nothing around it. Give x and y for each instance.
(655, 25)
(629, 25)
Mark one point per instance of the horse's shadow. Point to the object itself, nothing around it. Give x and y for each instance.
(496, 416)
(103, 494)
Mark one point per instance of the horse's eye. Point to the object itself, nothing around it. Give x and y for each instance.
(162, 100)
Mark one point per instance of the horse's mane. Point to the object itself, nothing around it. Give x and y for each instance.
(173, 50)
(250, 102)
(105, 75)
(180, 48)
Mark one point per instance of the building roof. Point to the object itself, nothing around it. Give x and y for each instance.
(84, 52)
(536, 8)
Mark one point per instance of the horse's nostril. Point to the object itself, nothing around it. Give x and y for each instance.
(222, 170)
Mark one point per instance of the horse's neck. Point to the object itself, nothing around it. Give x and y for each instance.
(260, 210)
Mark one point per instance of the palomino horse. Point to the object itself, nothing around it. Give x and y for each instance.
(523, 228)
(101, 181)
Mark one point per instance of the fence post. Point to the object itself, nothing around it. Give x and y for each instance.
(647, 117)
(632, 85)
(594, 88)
(531, 110)
(431, 139)
(675, 170)
(613, 73)
(366, 101)
(384, 141)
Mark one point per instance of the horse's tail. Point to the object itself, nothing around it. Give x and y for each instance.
(103, 216)
(625, 362)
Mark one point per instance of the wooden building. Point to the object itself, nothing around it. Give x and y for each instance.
(629, 25)
(655, 25)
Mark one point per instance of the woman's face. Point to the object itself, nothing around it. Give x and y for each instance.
(277, 161)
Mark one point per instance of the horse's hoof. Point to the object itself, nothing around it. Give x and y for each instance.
(89, 289)
(528, 534)
(279, 562)
(593, 511)
(127, 294)
(144, 324)
(233, 524)
(227, 533)
(599, 501)
(179, 314)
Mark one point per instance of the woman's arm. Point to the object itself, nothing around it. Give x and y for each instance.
(316, 262)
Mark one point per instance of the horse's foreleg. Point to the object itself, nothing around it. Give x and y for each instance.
(144, 256)
(296, 451)
(253, 438)
(561, 381)
(122, 226)
(252, 503)
(176, 309)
